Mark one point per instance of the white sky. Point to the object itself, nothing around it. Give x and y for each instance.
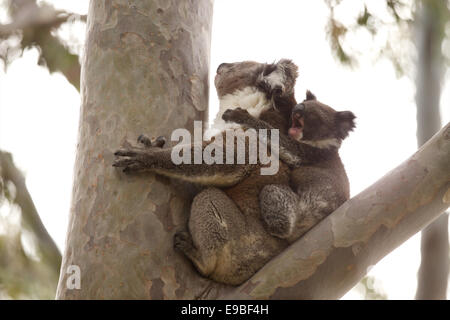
(39, 112)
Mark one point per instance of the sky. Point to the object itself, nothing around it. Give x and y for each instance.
(39, 112)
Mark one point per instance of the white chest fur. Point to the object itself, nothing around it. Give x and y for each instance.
(249, 98)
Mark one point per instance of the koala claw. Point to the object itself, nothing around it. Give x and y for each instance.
(123, 162)
(134, 159)
(128, 164)
(159, 142)
(125, 153)
(237, 115)
(144, 140)
(147, 142)
(131, 168)
(182, 240)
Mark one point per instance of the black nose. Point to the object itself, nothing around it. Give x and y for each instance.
(299, 109)
(222, 65)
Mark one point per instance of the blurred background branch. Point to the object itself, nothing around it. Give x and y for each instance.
(29, 24)
(432, 17)
(29, 259)
(413, 36)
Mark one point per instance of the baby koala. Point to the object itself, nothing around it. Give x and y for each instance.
(318, 176)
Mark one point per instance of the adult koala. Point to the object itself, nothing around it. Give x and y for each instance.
(226, 238)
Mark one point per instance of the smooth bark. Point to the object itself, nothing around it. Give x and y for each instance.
(145, 70)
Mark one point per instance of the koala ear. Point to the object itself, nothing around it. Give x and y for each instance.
(344, 123)
(310, 96)
(278, 78)
(289, 69)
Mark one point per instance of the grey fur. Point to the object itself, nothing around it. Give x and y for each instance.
(278, 209)
(233, 231)
(318, 175)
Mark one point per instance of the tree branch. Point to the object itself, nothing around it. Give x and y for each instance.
(331, 258)
(30, 216)
(34, 25)
(28, 15)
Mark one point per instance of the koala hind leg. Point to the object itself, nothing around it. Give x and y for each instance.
(183, 242)
(315, 202)
(289, 215)
(213, 224)
(278, 205)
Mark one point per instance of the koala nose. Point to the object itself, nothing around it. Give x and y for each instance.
(299, 109)
(222, 65)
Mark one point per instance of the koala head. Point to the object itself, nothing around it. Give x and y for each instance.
(272, 79)
(319, 125)
(256, 87)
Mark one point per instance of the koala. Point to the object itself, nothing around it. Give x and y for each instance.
(318, 178)
(226, 239)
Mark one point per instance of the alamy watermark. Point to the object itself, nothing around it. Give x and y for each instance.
(73, 277)
(258, 148)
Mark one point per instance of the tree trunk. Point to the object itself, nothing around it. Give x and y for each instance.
(434, 267)
(331, 258)
(145, 70)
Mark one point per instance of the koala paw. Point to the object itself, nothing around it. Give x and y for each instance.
(237, 115)
(182, 240)
(147, 142)
(133, 159)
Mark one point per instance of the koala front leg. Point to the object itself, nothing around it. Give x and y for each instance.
(288, 151)
(153, 158)
(292, 152)
(133, 159)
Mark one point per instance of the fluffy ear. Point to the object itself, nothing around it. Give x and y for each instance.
(278, 78)
(289, 69)
(345, 122)
(310, 96)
